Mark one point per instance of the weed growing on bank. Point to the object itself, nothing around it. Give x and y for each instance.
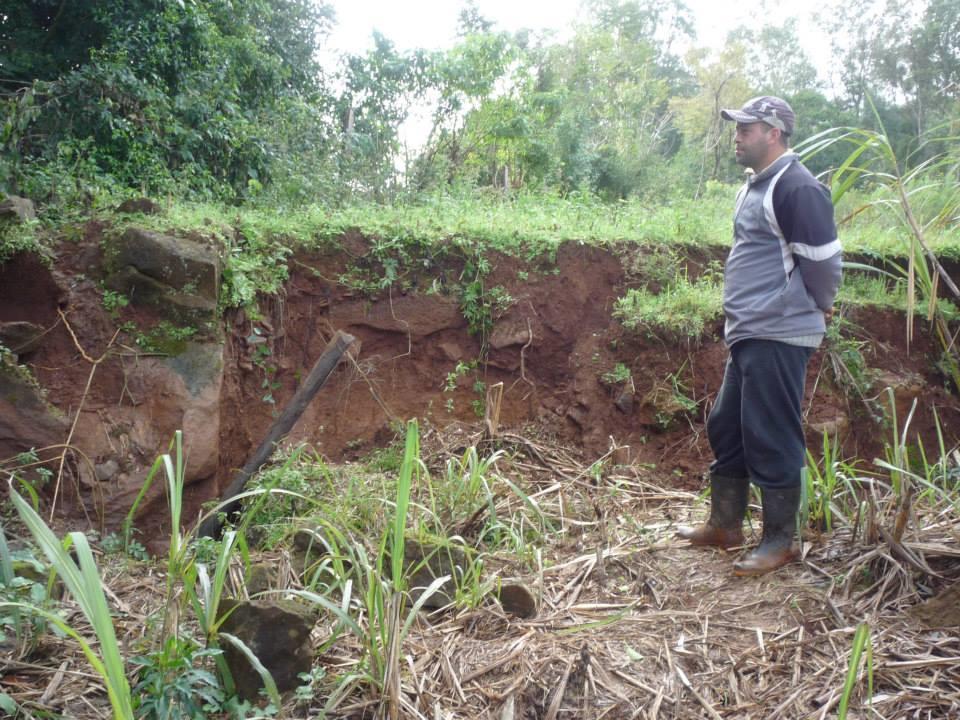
(682, 311)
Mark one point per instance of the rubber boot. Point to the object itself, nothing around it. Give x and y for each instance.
(777, 547)
(728, 503)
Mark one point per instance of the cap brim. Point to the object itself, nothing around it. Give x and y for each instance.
(738, 116)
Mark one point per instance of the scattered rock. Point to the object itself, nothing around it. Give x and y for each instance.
(18, 209)
(668, 404)
(906, 388)
(277, 632)
(425, 562)
(621, 455)
(518, 601)
(511, 331)
(259, 578)
(144, 206)
(943, 610)
(452, 351)
(21, 337)
(835, 427)
(579, 413)
(624, 401)
(107, 470)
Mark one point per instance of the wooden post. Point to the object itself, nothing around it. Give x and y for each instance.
(325, 364)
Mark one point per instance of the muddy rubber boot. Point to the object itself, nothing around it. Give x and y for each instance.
(777, 547)
(728, 503)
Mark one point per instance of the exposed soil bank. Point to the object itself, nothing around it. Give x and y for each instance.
(553, 348)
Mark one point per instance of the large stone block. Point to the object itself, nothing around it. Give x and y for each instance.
(159, 262)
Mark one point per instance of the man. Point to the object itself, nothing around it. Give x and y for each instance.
(780, 280)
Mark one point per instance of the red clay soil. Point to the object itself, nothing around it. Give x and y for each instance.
(550, 349)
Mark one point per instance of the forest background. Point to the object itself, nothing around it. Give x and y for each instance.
(226, 101)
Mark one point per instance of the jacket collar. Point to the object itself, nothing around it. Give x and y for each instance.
(774, 167)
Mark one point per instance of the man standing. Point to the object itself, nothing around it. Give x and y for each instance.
(780, 280)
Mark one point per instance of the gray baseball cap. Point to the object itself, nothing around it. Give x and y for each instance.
(775, 112)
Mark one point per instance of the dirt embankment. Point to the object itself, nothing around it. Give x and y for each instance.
(568, 368)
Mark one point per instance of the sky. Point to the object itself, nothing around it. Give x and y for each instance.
(431, 24)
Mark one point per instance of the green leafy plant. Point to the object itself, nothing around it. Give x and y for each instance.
(906, 185)
(117, 543)
(828, 488)
(164, 338)
(301, 475)
(172, 684)
(19, 588)
(113, 302)
(619, 374)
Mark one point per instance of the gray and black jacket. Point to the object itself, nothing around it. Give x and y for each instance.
(784, 269)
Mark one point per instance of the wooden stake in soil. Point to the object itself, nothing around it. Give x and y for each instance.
(325, 364)
(491, 419)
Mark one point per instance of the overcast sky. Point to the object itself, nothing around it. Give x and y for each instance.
(432, 23)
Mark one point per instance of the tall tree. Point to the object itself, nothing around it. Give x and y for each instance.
(147, 89)
(776, 62)
(723, 82)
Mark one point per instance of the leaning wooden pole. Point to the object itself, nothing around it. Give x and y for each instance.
(325, 364)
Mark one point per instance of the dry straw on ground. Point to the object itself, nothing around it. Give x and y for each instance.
(631, 622)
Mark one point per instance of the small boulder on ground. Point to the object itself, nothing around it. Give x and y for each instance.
(278, 634)
(517, 600)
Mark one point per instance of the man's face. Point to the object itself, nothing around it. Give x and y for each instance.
(752, 144)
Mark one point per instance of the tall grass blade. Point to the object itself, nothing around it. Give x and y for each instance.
(268, 682)
(861, 638)
(411, 460)
(86, 587)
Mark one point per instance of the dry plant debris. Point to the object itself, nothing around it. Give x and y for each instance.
(632, 623)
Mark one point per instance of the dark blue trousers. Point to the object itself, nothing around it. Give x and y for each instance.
(755, 427)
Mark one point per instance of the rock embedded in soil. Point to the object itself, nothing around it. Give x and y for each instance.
(16, 208)
(181, 392)
(277, 632)
(624, 401)
(171, 273)
(106, 470)
(26, 419)
(517, 600)
(20, 336)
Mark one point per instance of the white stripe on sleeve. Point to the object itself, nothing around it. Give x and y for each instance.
(816, 252)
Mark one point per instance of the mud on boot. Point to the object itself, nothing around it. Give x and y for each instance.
(777, 547)
(728, 503)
